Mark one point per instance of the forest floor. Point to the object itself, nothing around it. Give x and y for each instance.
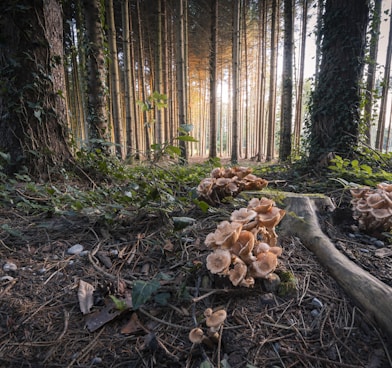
(41, 325)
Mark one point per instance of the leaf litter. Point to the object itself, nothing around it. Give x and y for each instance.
(49, 319)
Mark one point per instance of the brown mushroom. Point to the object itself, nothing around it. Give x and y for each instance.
(218, 262)
(196, 336)
(214, 320)
(243, 215)
(271, 218)
(248, 282)
(238, 272)
(244, 245)
(260, 247)
(265, 264)
(226, 233)
(261, 205)
(217, 172)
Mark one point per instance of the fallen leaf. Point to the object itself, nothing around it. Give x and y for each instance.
(383, 252)
(105, 315)
(85, 296)
(132, 326)
(168, 246)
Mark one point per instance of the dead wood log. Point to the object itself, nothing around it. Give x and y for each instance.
(369, 293)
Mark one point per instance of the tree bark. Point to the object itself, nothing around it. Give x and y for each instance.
(336, 99)
(33, 108)
(367, 291)
(287, 84)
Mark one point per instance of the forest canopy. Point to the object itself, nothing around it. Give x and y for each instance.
(227, 78)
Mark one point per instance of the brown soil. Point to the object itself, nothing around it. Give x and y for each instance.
(41, 325)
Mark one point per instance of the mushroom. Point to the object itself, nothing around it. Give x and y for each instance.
(271, 218)
(265, 264)
(226, 233)
(218, 262)
(205, 186)
(196, 336)
(262, 205)
(217, 172)
(260, 247)
(241, 171)
(214, 320)
(252, 182)
(248, 282)
(243, 215)
(238, 272)
(244, 245)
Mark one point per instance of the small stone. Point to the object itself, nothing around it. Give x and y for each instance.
(351, 235)
(96, 360)
(84, 253)
(9, 266)
(379, 244)
(42, 270)
(317, 303)
(75, 249)
(315, 313)
(113, 252)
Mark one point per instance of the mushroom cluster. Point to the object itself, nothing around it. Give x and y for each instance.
(225, 182)
(214, 321)
(372, 207)
(245, 247)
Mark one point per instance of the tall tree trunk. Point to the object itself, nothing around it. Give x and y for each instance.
(213, 56)
(371, 71)
(118, 123)
(246, 94)
(262, 78)
(181, 75)
(336, 99)
(384, 94)
(287, 83)
(142, 85)
(300, 87)
(236, 73)
(129, 96)
(272, 82)
(33, 108)
(96, 74)
(319, 27)
(159, 74)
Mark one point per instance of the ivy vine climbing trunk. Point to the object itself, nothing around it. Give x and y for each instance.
(32, 95)
(96, 76)
(335, 101)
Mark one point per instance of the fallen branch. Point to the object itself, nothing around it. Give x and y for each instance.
(371, 294)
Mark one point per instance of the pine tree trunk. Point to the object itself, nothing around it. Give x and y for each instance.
(33, 108)
(236, 73)
(213, 56)
(287, 81)
(115, 91)
(371, 71)
(272, 82)
(96, 76)
(384, 94)
(300, 88)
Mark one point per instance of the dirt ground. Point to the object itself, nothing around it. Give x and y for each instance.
(41, 325)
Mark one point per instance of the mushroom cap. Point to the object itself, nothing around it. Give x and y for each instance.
(244, 244)
(271, 218)
(376, 200)
(387, 187)
(359, 192)
(215, 319)
(238, 273)
(243, 215)
(205, 186)
(241, 171)
(248, 282)
(261, 205)
(260, 247)
(226, 233)
(196, 335)
(381, 213)
(217, 172)
(222, 182)
(276, 250)
(218, 262)
(210, 241)
(264, 265)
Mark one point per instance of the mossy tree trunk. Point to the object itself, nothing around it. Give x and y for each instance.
(335, 101)
(33, 123)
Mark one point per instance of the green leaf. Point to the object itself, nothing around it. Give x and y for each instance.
(204, 206)
(162, 298)
(172, 150)
(121, 305)
(142, 292)
(206, 364)
(186, 138)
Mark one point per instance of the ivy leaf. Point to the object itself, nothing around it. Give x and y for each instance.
(187, 138)
(142, 292)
